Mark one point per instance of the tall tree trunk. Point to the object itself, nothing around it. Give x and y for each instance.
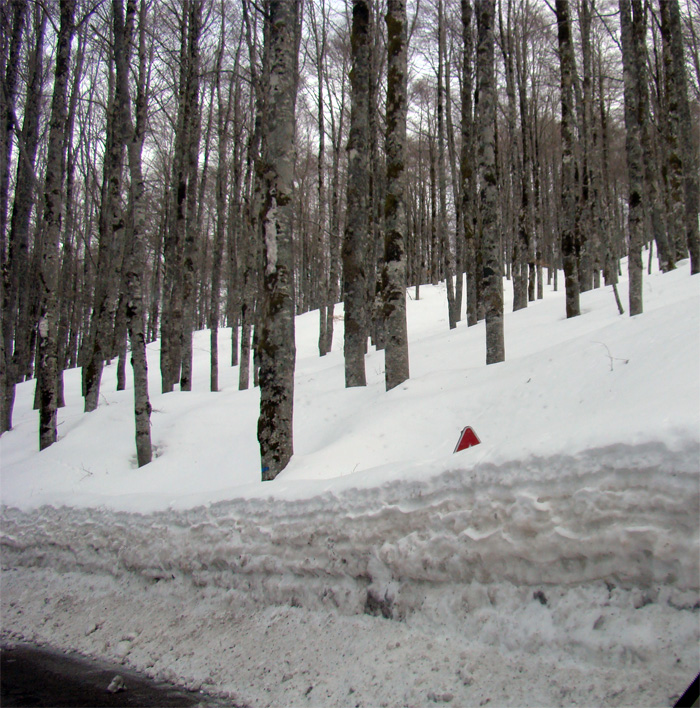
(318, 28)
(17, 273)
(136, 236)
(223, 120)
(394, 271)
(47, 344)
(457, 198)
(467, 162)
(192, 221)
(10, 45)
(569, 246)
(525, 236)
(357, 234)
(514, 176)
(444, 236)
(276, 347)
(488, 179)
(110, 253)
(682, 150)
(632, 27)
(334, 216)
(172, 308)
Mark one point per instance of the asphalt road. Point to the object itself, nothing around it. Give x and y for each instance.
(31, 676)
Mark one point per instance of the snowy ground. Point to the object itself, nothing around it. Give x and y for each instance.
(555, 564)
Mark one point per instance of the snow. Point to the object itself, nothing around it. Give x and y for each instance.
(556, 563)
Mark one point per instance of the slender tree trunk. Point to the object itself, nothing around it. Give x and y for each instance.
(318, 27)
(172, 308)
(525, 235)
(136, 237)
(631, 30)
(110, 250)
(357, 232)
(334, 221)
(47, 344)
(192, 221)
(467, 162)
(394, 271)
(223, 119)
(441, 175)
(569, 248)
(10, 46)
(457, 197)
(276, 347)
(17, 273)
(682, 150)
(488, 179)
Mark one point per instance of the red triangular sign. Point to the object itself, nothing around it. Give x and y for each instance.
(467, 439)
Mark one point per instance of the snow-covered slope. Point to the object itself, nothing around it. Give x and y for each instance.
(556, 563)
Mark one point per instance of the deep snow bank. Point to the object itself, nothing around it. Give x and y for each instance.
(624, 515)
(551, 582)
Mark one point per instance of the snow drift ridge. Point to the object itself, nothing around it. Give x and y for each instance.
(623, 514)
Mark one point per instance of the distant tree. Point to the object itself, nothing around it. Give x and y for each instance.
(394, 270)
(276, 347)
(492, 274)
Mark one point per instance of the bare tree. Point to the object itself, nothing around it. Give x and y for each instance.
(488, 179)
(357, 232)
(394, 270)
(466, 166)
(682, 151)
(47, 343)
(276, 347)
(569, 241)
(632, 31)
(136, 226)
(16, 281)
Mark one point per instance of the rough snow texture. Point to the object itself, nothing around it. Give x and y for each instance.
(554, 564)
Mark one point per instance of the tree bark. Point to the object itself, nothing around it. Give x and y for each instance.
(17, 272)
(357, 233)
(569, 245)
(47, 343)
(136, 228)
(9, 68)
(466, 166)
(632, 33)
(492, 277)
(192, 221)
(394, 270)
(682, 150)
(110, 256)
(276, 347)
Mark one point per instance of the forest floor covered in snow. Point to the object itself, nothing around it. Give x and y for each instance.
(554, 564)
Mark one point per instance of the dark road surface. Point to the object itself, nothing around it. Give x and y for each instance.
(30, 676)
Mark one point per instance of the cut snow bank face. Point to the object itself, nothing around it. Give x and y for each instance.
(626, 514)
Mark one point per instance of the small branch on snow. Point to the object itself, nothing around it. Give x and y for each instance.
(611, 357)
